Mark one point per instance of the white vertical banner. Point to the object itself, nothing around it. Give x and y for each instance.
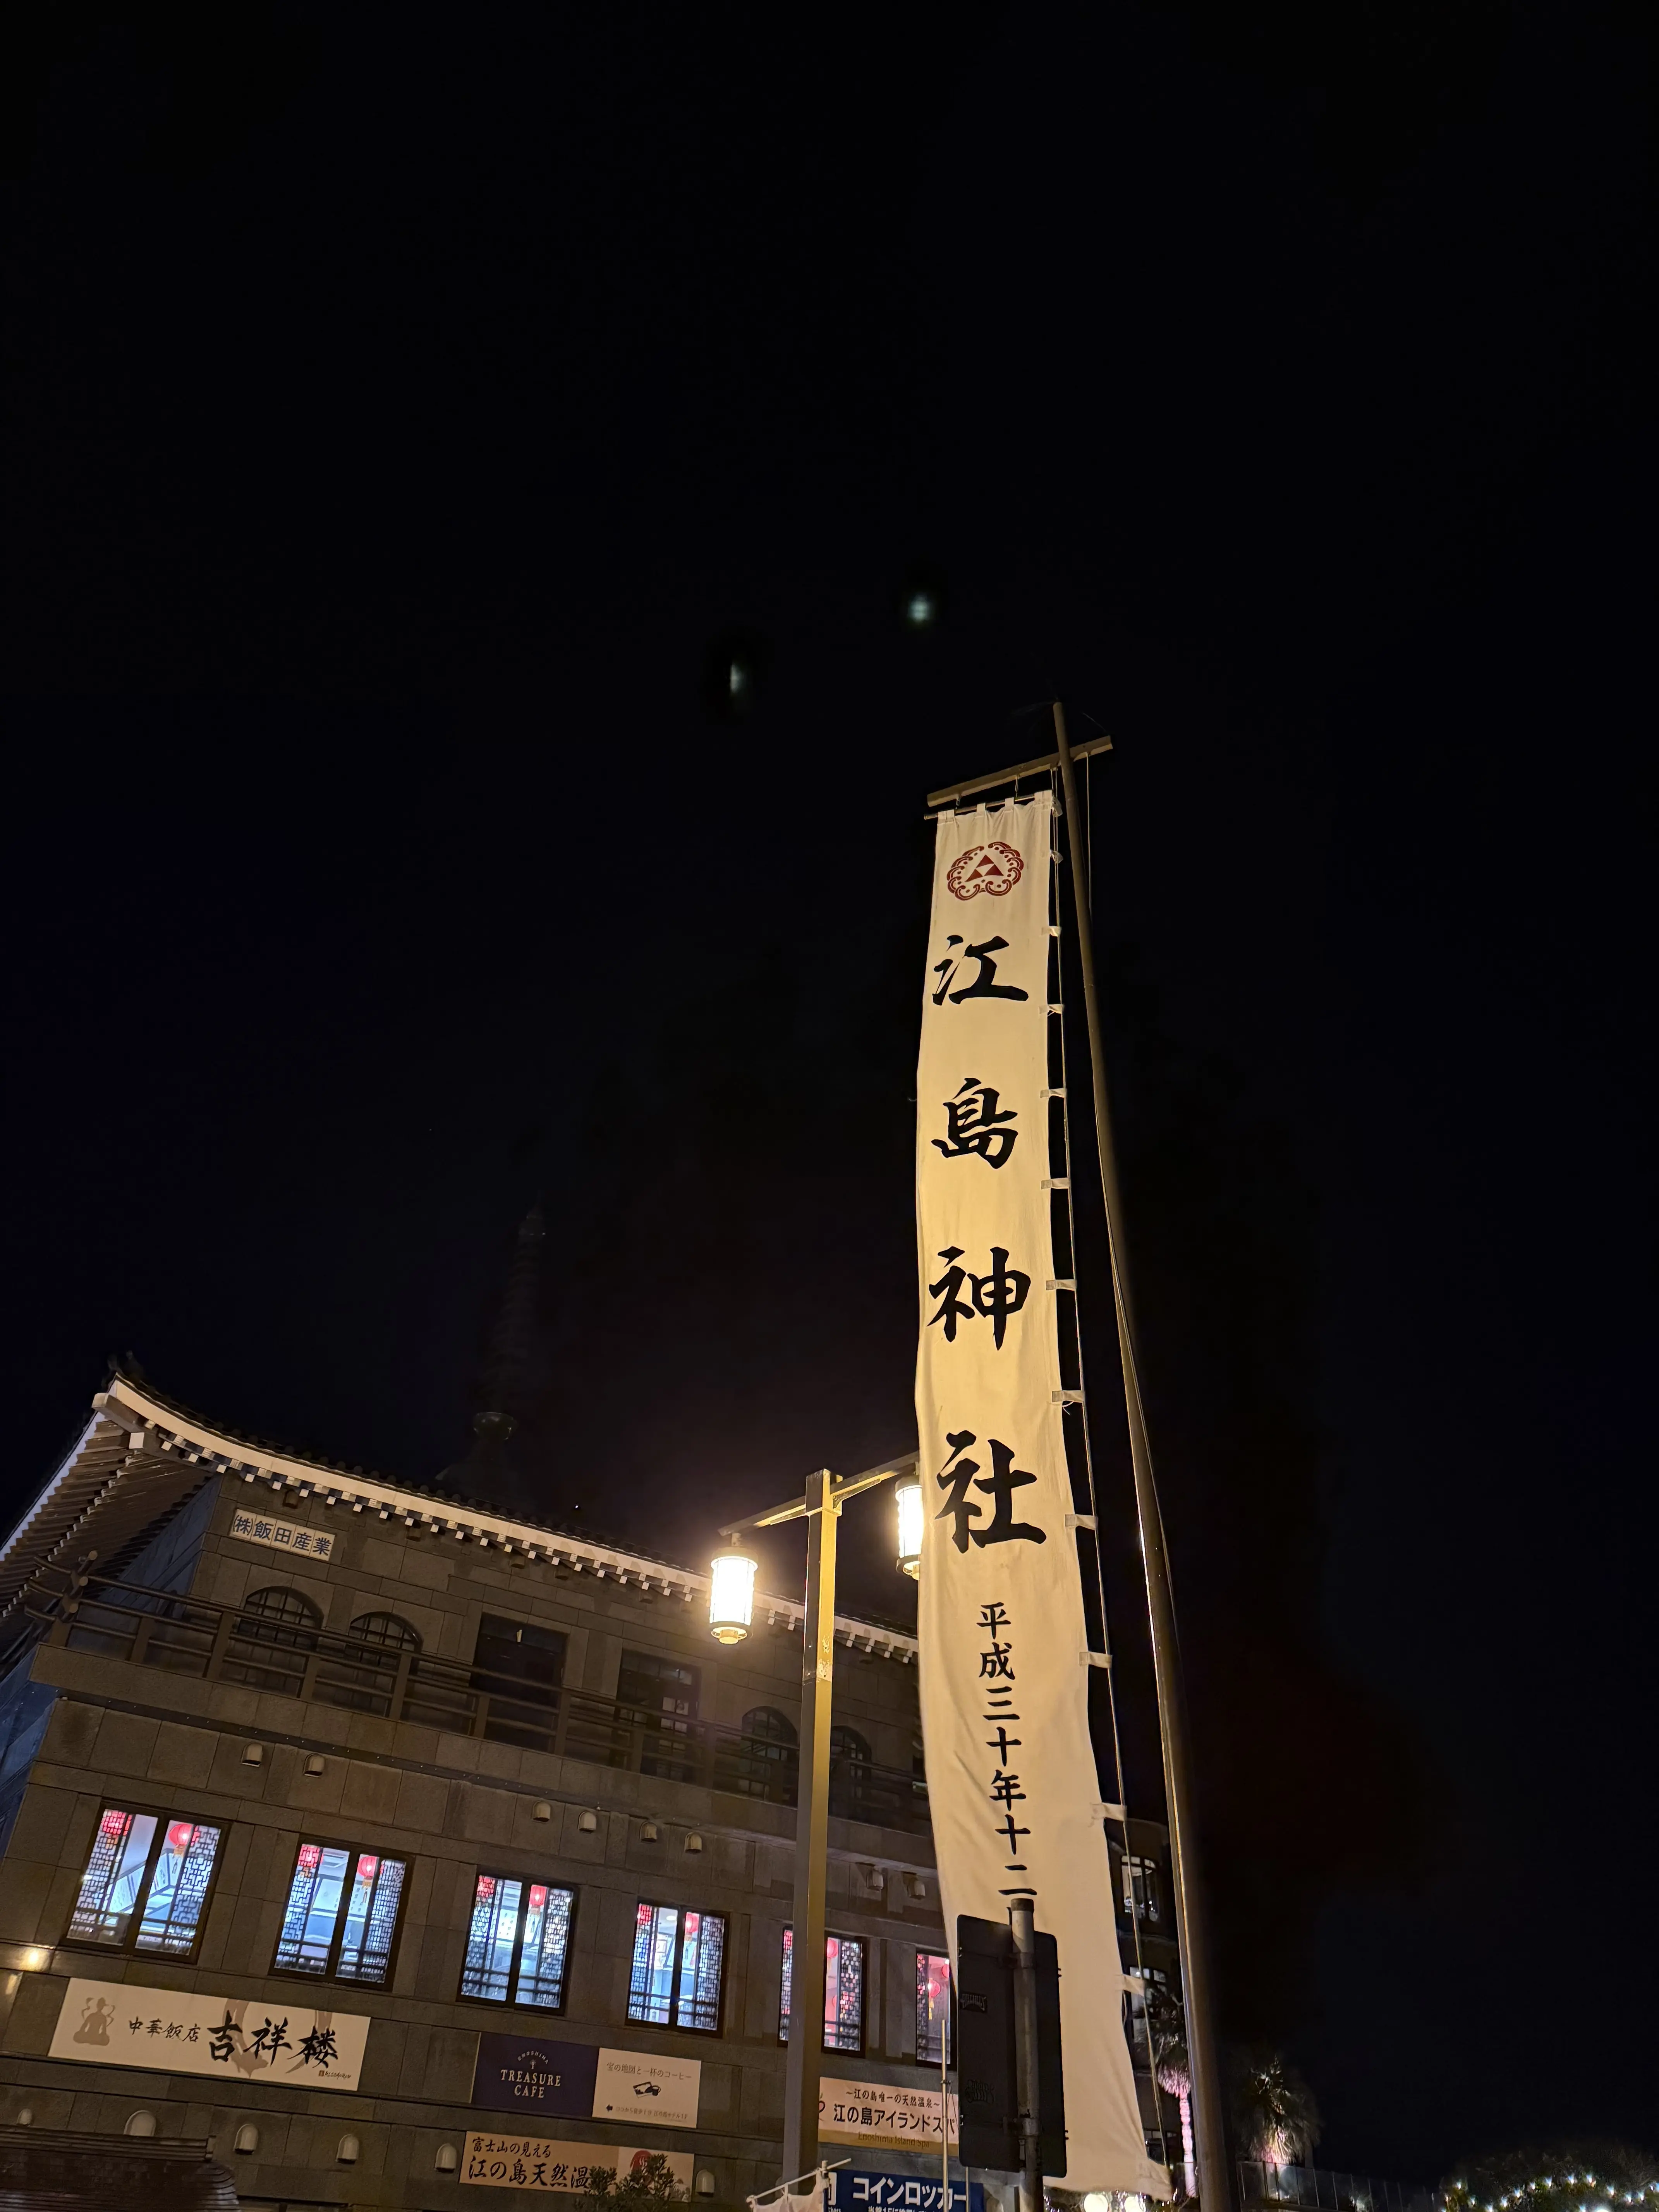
(1011, 1770)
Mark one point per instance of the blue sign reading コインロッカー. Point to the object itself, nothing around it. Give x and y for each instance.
(852, 2189)
(524, 2074)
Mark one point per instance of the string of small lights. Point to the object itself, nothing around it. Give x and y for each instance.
(1549, 2190)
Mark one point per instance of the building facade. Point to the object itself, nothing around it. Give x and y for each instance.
(401, 1851)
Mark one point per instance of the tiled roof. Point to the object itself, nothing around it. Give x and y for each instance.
(142, 1453)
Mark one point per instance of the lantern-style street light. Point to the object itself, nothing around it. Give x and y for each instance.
(730, 1601)
(908, 1498)
(730, 1594)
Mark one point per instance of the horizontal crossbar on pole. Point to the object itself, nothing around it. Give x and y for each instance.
(794, 1509)
(1009, 774)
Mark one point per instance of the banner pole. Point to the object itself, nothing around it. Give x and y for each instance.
(1022, 1912)
(806, 1969)
(945, 2092)
(1214, 2178)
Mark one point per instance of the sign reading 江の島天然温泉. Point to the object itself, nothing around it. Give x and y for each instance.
(1011, 1771)
(536, 2163)
(238, 2039)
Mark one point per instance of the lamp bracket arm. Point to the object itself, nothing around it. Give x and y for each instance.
(797, 1508)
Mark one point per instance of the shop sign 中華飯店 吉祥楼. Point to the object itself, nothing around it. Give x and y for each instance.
(237, 2039)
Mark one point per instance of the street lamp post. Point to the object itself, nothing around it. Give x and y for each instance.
(730, 1597)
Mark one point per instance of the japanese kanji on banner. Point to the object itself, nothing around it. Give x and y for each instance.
(238, 2039)
(1010, 1772)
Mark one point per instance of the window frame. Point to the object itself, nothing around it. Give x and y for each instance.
(1142, 1886)
(671, 2025)
(786, 1948)
(1137, 2015)
(511, 2003)
(354, 1852)
(922, 1953)
(128, 1948)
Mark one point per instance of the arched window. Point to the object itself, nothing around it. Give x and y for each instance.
(850, 1792)
(364, 1677)
(386, 1629)
(762, 1762)
(273, 1617)
(277, 1616)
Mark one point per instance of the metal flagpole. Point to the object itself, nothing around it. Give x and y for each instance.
(1022, 1912)
(1214, 2178)
(806, 1990)
(944, 2087)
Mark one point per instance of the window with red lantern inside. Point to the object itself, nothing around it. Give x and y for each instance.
(146, 1883)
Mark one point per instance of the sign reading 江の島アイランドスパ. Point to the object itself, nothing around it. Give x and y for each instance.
(238, 2039)
(1011, 1771)
(896, 2114)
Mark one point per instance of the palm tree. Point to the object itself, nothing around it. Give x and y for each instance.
(1278, 2118)
(1166, 2025)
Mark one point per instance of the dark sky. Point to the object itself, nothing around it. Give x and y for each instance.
(400, 409)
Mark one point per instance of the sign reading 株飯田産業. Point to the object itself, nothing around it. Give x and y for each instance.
(894, 2114)
(532, 2075)
(237, 2039)
(538, 2163)
(253, 1527)
(1012, 1791)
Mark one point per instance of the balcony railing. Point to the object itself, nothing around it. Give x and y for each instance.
(1315, 2189)
(318, 1666)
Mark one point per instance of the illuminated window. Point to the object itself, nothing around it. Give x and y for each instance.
(933, 2023)
(165, 1862)
(342, 1916)
(843, 1992)
(518, 1941)
(679, 1960)
(1155, 1983)
(1143, 1895)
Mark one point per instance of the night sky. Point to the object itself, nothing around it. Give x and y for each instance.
(407, 413)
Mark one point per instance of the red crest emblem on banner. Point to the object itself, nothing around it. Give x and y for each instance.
(994, 868)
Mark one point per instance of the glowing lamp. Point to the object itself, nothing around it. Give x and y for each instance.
(730, 1594)
(909, 1495)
